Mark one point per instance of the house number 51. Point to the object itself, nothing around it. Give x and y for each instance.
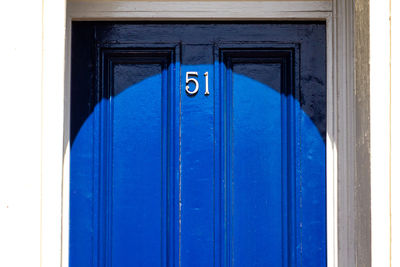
(191, 77)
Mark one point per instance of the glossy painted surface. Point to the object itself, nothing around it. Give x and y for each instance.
(163, 178)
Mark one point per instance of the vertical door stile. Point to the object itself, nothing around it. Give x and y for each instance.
(108, 163)
(104, 156)
(286, 164)
(96, 97)
(165, 161)
(229, 180)
(293, 87)
(177, 117)
(218, 174)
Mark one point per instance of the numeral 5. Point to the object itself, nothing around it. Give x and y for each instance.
(188, 80)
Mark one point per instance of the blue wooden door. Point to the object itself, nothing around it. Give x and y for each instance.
(198, 144)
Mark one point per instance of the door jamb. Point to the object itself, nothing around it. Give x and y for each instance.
(341, 109)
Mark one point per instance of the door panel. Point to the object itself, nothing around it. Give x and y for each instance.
(257, 190)
(138, 180)
(162, 177)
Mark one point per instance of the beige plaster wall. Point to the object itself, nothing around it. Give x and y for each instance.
(362, 183)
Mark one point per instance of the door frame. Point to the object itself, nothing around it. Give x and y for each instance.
(341, 112)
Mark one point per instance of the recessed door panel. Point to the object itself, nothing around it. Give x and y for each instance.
(137, 178)
(256, 180)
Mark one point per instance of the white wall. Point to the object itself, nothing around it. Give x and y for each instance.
(385, 132)
(380, 131)
(31, 143)
(395, 115)
(20, 132)
(54, 22)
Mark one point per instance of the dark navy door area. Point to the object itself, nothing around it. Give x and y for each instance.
(198, 144)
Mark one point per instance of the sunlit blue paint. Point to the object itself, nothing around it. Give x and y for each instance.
(257, 223)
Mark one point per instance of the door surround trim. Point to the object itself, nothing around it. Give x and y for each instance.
(341, 112)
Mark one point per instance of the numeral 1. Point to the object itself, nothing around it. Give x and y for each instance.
(207, 91)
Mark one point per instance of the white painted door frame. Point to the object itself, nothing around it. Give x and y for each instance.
(340, 105)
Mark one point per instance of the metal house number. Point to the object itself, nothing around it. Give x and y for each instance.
(196, 83)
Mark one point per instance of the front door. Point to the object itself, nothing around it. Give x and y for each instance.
(198, 144)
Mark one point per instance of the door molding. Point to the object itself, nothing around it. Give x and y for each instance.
(341, 108)
(198, 10)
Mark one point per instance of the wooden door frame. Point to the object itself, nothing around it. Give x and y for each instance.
(341, 108)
